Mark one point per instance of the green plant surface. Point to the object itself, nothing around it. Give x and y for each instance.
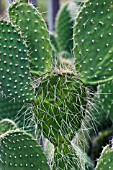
(21, 151)
(105, 162)
(106, 97)
(34, 28)
(15, 78)
(93, 41)
(60, 105)
(6, 125)
(64, 26)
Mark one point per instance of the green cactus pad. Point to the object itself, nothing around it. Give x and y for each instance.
(105, 161)
(6, 125)
(53, 39)
(105, 92)
(20, 113)
(93, 42)
(15, 78)
(64, 26)
(32, 25)
(21, 151)
(65, 158)
(60, 105)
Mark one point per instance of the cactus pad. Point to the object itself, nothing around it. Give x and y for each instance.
(6, 125)
(32, 25)
(93, 42)
(106, 97)
(15, 78)
(60, 105)
(19, 151)
(64, 26)
(105, 161)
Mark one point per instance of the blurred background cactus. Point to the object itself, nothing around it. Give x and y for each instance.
(56, 85)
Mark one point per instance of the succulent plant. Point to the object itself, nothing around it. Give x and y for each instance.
(64, 26)
(93, 41)
(20, 150)
(7, 124)
(105, 160)
(38, 41)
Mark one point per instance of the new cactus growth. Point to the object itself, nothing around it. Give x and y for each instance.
(34, 29)
(93, 41)
(61, 99)
(19, 151)
(105, 161)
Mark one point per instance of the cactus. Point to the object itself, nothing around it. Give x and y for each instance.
(7, 124)
(105, 94)
(19, 151)
(64, 26)
(60, 105)
(53, 39)
(33, 27)
(105, 161)
(98, 142)
(15, 78)
(93, 41)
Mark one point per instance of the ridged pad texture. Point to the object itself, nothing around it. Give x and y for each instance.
(32, 25)
(20, 151)
(93, 41)
(15, 78)
(60, 105)
(105, 161)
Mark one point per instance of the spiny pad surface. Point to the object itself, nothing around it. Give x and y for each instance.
(105, 161)
(21, 151)
(60, 105)
(64, 27)
(106, 97)
(15, 78)
(32, 25)
(93, 41)
(6, 125)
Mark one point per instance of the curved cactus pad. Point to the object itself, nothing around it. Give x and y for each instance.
(60, 105)
(6, 125)
(64, 26)
(20, 151)
(105, 161)
(93, 42)
(15, 78)
(30, 21)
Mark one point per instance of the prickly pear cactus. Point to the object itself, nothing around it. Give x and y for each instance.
(105, 92)
(19, 151)
(6, 125)
(93, 41)
(64, 26)
(34, 28)
(15, 78)
(60, 105)
(106, 159)
(65, 158)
